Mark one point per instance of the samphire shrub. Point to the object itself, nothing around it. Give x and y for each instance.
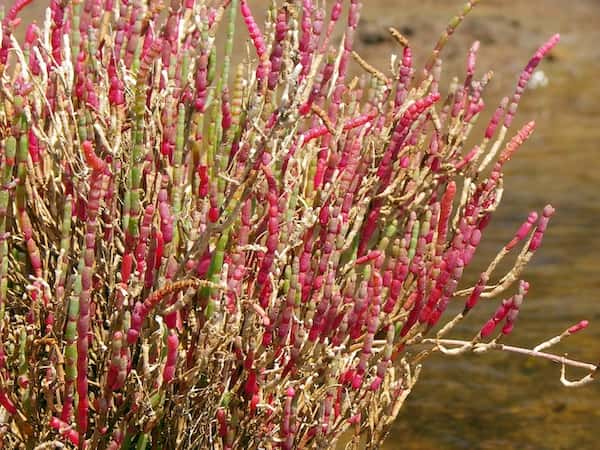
(197, 254)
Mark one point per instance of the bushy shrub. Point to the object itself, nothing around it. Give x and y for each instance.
(197, 254)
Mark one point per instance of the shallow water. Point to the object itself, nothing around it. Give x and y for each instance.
(507, 401)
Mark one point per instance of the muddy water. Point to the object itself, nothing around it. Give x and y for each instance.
(504, 401)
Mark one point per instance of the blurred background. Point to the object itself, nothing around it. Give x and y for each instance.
(500, 401)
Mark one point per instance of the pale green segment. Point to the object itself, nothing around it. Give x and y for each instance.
(413, 240)
(10, 149)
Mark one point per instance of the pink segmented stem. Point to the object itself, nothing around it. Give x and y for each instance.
(116, 92)
(476, 293)
(399, 275)
(372, 322)
(288, 426)
(272, 238)
(98, 184)
(384, 363)
(357, 317)
(578, 327)
(371, 256)
(404, 78)
(353, 15)
(226, 117)
(57, 9)
(448, 290)
(31, 34)
(144, 235)
(276, 58)
(416, 306)
(257, 40)
(201, 81)
(172, 320)
(446, 210)
(523, 134)
(509, 310)
(94, 161)
(336, 11)
(496, 117)
(322, 130)
(311, 26)
(400, 133)
(499, 315)
(468, 158)
(538, 234)
(526, 75)
(523, 231)
(171, 362)
(82, 366)
(65, 430)
(471, 60)
(471, 245)
(323, 304)
(114, 369)
(166, 217)
(15, 9)
(34, 147)
(141, 310)
(515, 306)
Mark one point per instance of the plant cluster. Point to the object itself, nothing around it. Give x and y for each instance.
(201, 254)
